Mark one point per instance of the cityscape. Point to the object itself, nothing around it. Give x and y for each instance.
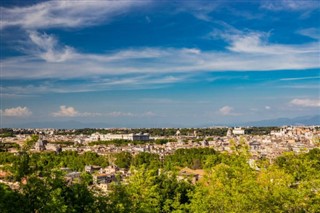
(159, 106)
(109, 157)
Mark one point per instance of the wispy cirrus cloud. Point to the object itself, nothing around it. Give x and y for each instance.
(69, 111)
(103, 83)
(129, 114)
(47, 58)
(65, 14)
(257, 43)
(16, 112)
(290, 5)
(301, 78)
(306, 102)
(247, 52)
(199, 10)
(47, 47)
(310, 32)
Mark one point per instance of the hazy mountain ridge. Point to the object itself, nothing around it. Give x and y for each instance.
(301, 120)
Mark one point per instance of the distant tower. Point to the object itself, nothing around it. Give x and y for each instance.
(204, 143)
(229, 133)
(40, 145)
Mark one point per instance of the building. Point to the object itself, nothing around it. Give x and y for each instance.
(40, 145)
(104, 178)
(73, 175)
(130, 137)
(91, 169)
(229, 133)
(238, 131)
(187, 174)
(255, 145)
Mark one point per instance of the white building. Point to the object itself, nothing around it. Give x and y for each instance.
(130, 137)
(238, 131)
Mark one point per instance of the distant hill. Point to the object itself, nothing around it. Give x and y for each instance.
(71, 124)
(302, 120)
(60, 125)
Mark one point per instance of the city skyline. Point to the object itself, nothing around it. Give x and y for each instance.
(158, 63)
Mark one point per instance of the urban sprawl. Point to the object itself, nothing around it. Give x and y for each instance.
(261, 142)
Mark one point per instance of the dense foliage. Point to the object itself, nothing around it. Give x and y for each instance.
(193, 158)
(291, 183)
(6, 133)
(260, 130)
(43, 163)
(4, 147)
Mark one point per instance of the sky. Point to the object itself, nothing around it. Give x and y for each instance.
(158, 63)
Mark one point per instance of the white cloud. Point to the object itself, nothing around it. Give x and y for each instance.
(47, 48)
(141, 81)
(130, 114)
(311, 32)
(120, 114)
(306, 102)
(227, 111)
(201, 10)
(298, 79)
(267, 107)
(149, 114)
(65, 13)
(16, 112)
(247, 53)
(257, 43)
(293, 5)
(148, 67)
(66, 112)
(301, 86)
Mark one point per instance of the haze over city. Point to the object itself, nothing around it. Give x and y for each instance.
(158, 63)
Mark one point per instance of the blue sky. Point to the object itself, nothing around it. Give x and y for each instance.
(158, 63)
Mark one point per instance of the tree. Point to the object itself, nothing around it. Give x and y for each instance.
(10, 199)
(151, 161)
(143, 190)
(20, 167)
(123, 159)
(173, 193)
(226, 189)
(29, 143)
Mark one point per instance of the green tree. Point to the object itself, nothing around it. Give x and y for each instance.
(173, 193)
(29, 143)
(151, 161)
(143, 190)
(10, 200)
(226, 189)
(123, 159)
(20, 167)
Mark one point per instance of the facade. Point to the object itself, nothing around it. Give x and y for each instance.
(255, 145)
(40, 145)
(229, 133)
(130, 137)
(104, 178)
(238, 131)
(91, 169)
